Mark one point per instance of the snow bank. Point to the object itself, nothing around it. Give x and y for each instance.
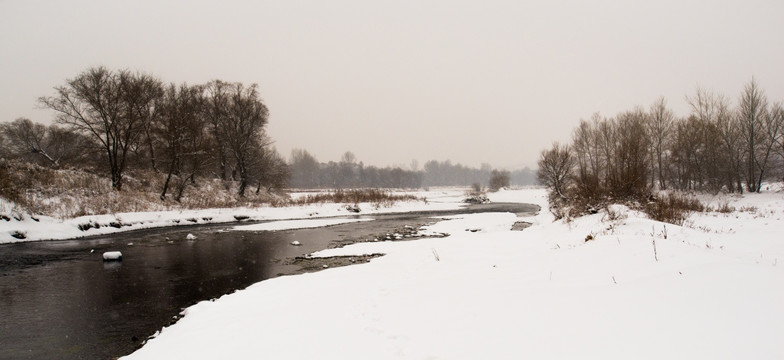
(24, 227)
(712, 289)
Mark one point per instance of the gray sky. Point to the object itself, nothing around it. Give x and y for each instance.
(392, 81)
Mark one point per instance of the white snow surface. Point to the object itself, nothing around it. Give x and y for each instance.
(295, 224)
(47, 228)
(716, 292)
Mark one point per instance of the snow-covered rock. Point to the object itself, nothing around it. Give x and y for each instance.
(190, 237)
(295, 243)
(112, 256)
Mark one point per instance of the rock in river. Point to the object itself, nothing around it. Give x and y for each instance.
(112, 256)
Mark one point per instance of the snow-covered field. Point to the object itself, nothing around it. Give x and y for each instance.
(712, 289)
(24, 227)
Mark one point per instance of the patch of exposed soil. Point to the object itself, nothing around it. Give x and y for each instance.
(520, 226)
(308, 263)
(312, 264)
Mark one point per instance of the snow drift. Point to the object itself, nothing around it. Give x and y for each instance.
(712, 289)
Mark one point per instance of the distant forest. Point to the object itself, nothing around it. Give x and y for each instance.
(307, 172)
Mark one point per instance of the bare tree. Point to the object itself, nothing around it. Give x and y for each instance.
(660, 125)
(4, 147)
(150, 144)
(242, 126)
(216, 109)
(348, 171)
(759, 130)
(589, 158)
(348, 158)
(732, 144)
(555, 168)
(304, 169)
(29, 141)
(683, 151)
(273, 172)
(498, 179)
(180, 128)
(713, 134)
(629, 167)
(110, 107)
(777, 115)
(774, 131)
(141, 94)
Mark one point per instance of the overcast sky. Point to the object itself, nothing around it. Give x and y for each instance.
(471, 81)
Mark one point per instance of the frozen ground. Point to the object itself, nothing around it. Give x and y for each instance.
(23, 227)
(715, 292)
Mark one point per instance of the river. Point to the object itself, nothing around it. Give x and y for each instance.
(59, 299)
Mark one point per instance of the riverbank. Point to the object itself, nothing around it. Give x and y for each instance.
(25, 227)
(634, 288)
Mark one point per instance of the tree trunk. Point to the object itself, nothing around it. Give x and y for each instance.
(183, 185)
(116, 179)
(166, 183)
(152, 149)
(242, 169)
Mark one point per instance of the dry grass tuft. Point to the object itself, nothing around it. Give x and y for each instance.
(374, 196)
(725, 208)
(67, 193)
(672, 208)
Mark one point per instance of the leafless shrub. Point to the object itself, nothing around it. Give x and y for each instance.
(749, 209)
(555, 168)
(589, 237)
(498, 179)
(672, 208)
(71, 192)
(374, 196)
(725, 208)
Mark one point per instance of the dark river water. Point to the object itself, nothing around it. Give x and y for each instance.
(59, 299)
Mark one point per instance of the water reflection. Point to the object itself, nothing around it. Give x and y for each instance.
(112, 265)
(87, 308)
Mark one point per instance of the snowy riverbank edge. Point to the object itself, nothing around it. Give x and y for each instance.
(24, 227)
(712, 288)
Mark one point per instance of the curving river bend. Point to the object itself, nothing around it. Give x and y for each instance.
(58, 299)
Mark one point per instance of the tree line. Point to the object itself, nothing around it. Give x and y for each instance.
(115, 120)
(717, 147)
(308, 172)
